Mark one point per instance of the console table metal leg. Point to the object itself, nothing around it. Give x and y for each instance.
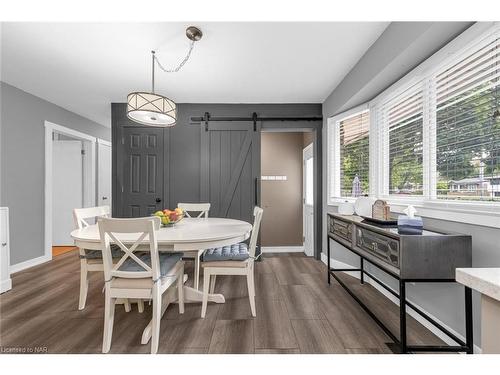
(328, 257)
(362, 274)
(469, 338)
(402, 315)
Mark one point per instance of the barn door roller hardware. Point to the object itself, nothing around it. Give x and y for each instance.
(206, 118)
(255, 118)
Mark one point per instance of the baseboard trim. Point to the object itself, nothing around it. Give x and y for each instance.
(337, 264)
(5, 285)
(282, 249)
(29, 263)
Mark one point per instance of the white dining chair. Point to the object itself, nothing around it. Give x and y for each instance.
(91, 260)
(236, 259)
(199, 210)
(138, 274)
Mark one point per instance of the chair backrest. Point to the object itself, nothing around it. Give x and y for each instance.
(143, 227)
(81, 214)
(202, 208)
(257, 213)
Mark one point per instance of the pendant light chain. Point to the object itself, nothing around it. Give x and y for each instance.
(181, 64)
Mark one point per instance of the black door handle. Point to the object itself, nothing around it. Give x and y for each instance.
(158, 200)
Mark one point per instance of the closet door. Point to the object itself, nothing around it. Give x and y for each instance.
(230, 168)
(141, 177)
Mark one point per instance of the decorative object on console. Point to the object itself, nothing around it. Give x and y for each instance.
(363, 206)
(356, 187)
(381, 210)
(409, 223)
(150, 108)
(346, 208)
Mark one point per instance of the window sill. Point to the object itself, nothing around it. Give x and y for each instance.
(482, 214)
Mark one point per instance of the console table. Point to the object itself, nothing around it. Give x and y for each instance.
(431, 257)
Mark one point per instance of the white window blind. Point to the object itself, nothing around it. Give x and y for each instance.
(401, 124)
(468, 126)
(354, 154)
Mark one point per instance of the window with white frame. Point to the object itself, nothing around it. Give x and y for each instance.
(401, 122)
(349, 150)
(436, 137)
(468, 126)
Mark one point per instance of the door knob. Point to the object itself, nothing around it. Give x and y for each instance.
(158, 200)
(104, 198)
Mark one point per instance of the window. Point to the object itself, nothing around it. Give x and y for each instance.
(403, 120)
(468, 131)
(349, 150)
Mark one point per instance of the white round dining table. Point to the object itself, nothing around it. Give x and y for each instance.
(189, 234)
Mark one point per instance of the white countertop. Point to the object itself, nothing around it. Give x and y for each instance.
(484, 280)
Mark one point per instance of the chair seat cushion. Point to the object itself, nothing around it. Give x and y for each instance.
(226, 264)
(167, 262)
(234, 252)
(116, 252)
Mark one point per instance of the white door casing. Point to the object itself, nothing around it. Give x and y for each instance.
(103, 173)
(308, 199)
(88, 178)
(67, 188)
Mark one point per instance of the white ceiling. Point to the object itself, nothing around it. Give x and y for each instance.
(84, 67)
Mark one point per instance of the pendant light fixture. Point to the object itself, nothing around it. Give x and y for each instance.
(150, 108)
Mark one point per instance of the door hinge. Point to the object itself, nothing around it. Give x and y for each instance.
(83, 152)
(254, 118)
(303, 238)
(122, 189)
(123, 140)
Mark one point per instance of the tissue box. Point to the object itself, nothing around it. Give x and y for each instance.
(410, 225)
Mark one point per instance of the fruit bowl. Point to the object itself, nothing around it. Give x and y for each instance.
(169, 217)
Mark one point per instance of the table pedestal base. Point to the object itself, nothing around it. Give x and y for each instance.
(191, 295)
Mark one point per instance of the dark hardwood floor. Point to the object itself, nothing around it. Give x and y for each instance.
(297, 312)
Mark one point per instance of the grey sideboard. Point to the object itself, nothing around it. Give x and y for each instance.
(431, 256)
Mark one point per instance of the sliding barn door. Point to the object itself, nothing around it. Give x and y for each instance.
(230, 168)
(141, 177)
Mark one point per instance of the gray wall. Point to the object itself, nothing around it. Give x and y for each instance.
(22, 164)
(281, 155)
(401, 47)
(184, 140)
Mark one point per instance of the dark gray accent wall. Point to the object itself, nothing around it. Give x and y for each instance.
(23, 164)
(184, 140)
(401, 47)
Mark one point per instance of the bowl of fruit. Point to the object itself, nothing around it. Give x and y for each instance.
(170, 217)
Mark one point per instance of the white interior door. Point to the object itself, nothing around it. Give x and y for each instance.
(308, 200)
(67, 188)
(103, 174)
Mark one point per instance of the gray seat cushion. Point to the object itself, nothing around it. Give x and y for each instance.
(116, 252)
(167, 262)
(237, 251)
